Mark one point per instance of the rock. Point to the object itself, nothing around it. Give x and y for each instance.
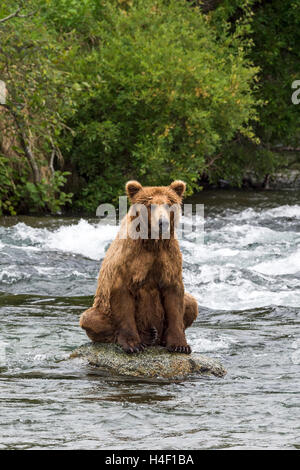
(286, 179)
(154, 362)
(224, 184)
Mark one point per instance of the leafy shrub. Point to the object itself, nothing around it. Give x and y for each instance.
(272, 30)
(159, 94)
(153, 90)
(7, 188)
(47, 195)
(276, 36)
(19, 194)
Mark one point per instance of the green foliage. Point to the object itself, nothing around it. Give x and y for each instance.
(241, 157)
(46, 195)
(31, 65)
(7, 188)
(276, 36)
(31, 59)
(272, 32)
(158, 95)
(18, 194)
(152, 90)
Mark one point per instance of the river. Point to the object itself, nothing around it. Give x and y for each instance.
(246, 278)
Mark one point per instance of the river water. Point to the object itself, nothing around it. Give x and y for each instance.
(246, 278)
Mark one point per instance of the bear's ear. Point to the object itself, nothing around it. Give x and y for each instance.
(132, 188)
(179, 187)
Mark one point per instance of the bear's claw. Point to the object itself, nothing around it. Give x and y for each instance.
(153, 335)
(135, 349)
(180, 349)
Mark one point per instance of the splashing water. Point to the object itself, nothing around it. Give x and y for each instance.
(246, 278)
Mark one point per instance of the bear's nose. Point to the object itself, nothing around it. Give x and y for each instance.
(163, 223)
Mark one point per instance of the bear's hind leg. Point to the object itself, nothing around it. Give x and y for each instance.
(174, 335)
(190, 310)
(97, 326)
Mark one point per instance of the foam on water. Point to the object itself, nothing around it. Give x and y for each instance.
(255, 216)
(206, 343)
(246, 280)
(12, 274)
(287, 211)
(247, 234)
(277, 267)
(239, 266)
(84, 238)
(243, 296)
(244, 264)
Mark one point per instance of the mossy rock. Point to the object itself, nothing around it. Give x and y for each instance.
(154, 362)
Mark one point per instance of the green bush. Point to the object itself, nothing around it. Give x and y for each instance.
(7, 188)
(272, 30)
(276, 36)
(32, 67)
(158, 95)
(19, 194)
(46, 196)
(147, 89)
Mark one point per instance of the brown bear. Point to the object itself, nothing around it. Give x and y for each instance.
(140, 298)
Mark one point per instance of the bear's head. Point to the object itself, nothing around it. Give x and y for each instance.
(155, 210)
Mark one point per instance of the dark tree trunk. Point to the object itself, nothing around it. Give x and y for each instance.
(206, 5)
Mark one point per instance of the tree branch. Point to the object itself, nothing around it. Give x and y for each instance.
(212, 161)
(286, 149)
(206, 5)
(16, 14)
(280, 148)
(12, 15)
(26, 147)
(209, 5)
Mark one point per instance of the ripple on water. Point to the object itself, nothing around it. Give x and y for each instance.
(246, 280)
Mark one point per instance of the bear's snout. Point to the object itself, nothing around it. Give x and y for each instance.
(163, 223)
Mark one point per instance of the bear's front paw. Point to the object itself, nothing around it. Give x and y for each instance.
(179, 349)
(176, 342)
(129, 342)
(134, 348)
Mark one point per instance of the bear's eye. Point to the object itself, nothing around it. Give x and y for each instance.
(171, 203)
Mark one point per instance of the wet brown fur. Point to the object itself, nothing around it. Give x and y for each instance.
(140, 295)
